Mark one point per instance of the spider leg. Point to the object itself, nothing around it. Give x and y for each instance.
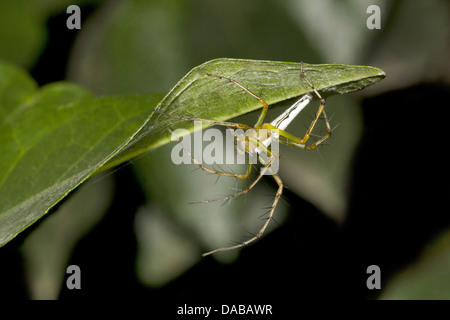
(263, 228)
(261, 117)
(246, 190)
(212, 122)
(204, 168)
(320, 111)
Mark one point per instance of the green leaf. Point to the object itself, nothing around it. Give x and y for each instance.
(202, 96)
(54, 138)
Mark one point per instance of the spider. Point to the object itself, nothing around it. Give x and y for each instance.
(257, 142)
